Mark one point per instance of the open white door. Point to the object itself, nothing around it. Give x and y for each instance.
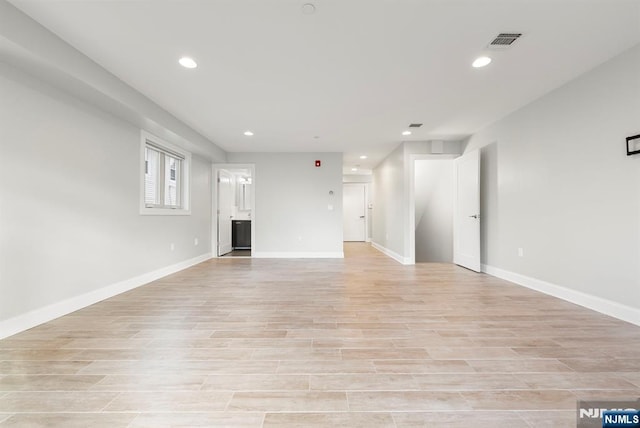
(225, 211)
(466, 215)
(354, 205)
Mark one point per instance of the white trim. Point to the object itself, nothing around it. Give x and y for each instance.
(163, 211)
(397, 257)
(298, 255)
(604, 306)
(39, 316)
(185, 194)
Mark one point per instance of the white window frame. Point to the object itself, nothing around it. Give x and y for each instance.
(184, 175)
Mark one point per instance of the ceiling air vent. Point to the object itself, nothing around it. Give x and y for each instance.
(504, 40)
(415, 125)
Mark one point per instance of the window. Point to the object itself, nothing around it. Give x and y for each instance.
(162, 183)
(165, 185)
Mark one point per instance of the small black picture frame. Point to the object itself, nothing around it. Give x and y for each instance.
(633, 147)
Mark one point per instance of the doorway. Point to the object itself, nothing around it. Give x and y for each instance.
(444, 209)
(233, 207)
(434, 210)
(354, 212)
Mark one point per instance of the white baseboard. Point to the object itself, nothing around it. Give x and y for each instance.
(39, 316)
(604, 306)
(298, 255)
(397, 257)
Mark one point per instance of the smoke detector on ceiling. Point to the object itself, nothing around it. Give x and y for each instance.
(308, 9)
(504, 41)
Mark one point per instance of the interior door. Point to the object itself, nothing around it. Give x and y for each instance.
(466, 222)
(225, 211)
(354, 207)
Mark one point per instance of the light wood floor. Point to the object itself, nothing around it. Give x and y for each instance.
(238, 253)
(360, 342)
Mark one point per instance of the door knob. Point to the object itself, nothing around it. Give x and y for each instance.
(361, 216)
(475, 216)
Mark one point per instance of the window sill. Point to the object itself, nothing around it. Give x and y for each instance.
(163, 211)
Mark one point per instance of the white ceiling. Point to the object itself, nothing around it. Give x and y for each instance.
(354, 74)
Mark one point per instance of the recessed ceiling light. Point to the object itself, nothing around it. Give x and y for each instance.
(248, 133)
(354, 169)
(406, 133)
(363, 157)
(481, 62)
(187, 62)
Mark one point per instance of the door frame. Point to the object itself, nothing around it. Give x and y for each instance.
(411, 230)
(214, 202)
(367, 237)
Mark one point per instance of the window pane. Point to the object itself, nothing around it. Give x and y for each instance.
(151, 177)
(172, 177)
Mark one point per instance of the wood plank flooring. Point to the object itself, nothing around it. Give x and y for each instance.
(359, 342)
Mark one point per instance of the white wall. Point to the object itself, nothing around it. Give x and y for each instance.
(69, 200)
(390, 205)
(558, 184)
(434, 210)
(291, 216)
(26, 44)
(357, 178)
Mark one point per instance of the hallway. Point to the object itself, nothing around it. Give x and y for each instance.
(362, 341)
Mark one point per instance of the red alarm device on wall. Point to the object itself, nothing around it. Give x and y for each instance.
(318, 164)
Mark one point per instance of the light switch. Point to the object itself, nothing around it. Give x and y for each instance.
(330, 207)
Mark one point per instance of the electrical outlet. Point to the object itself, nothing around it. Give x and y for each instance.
(172, 246)
(520, 252)
(195, 241)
